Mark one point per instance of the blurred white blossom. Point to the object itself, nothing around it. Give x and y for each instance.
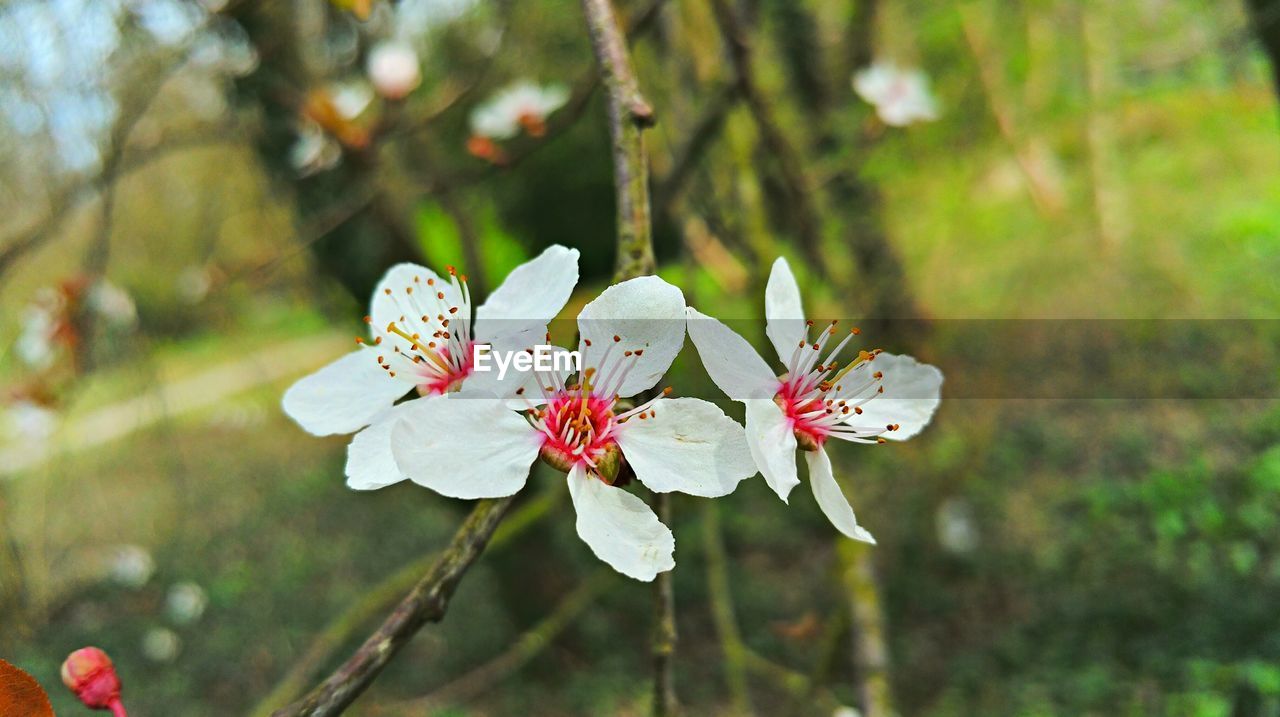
(35, 346)
(193, 283)
(900, 96)
(957, 531)
(351, 98)
(313, 151)
(846, 711)
(31, 421)
(522, 105)
(161, 644)
(130, 565)
(112, 304)
(394, 69)
(185, 603)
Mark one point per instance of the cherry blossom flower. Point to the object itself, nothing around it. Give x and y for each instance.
(185, 602)
(422, 339)
(38, 341)
(130, 565)
(31, 421)
(394, 69)
(520, 106)
(901, 97)
(112, 304)
(470, 446)
(871, 398)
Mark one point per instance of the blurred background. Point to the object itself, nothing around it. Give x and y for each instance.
(198, 197)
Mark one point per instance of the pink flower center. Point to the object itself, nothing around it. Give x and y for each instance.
(579, 427)
(446, 370)
(430, 343)
(822, 399)
(580, 421)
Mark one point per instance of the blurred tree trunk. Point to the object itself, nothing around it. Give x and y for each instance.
(357, 246)
(1265, 18)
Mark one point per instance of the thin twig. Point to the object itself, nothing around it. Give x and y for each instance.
(558, 124)
(528, 646)
(426, 603)
(704, 132)
(382, 597)
(800, 195)
(796, 684)
(664, 629)
(1043, 187)
(629, 115)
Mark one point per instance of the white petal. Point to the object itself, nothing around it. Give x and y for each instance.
(344, 396)
(370, 464)
(730, 361)
(465, 447)
(874, 83)
(783, 313)
(532, 294)
(647, 314)
(385, 308)
(773, 445)
(493, 381)
(831, 499)
(620, 528)
(689, 446)
(912, 391)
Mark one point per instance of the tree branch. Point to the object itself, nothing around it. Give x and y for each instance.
(426, 603)
(808, 222)
(629, 115)
(704, 132)
(383, 596)
(664, 629)
(528, 646)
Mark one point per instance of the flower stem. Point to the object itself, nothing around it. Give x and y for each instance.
(629, 115)
(664, 633)
(117, 708)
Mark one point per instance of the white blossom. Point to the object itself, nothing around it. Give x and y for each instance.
(901, 97)
(394, 69)
(31, 421)
(475, 446)
(314, 150)
(520, 106)
(112, 304)
(351, 99)
(130, 565)
(871, 398)
(36, 341)
(957, 530)
(185, 602)
(160, 644)
(422, 339)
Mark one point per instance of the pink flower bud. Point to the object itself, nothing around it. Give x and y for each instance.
(88, 673)
(394, 69)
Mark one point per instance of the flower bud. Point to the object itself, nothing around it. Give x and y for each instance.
(394, 69)
(607, 465)
(88, 673)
